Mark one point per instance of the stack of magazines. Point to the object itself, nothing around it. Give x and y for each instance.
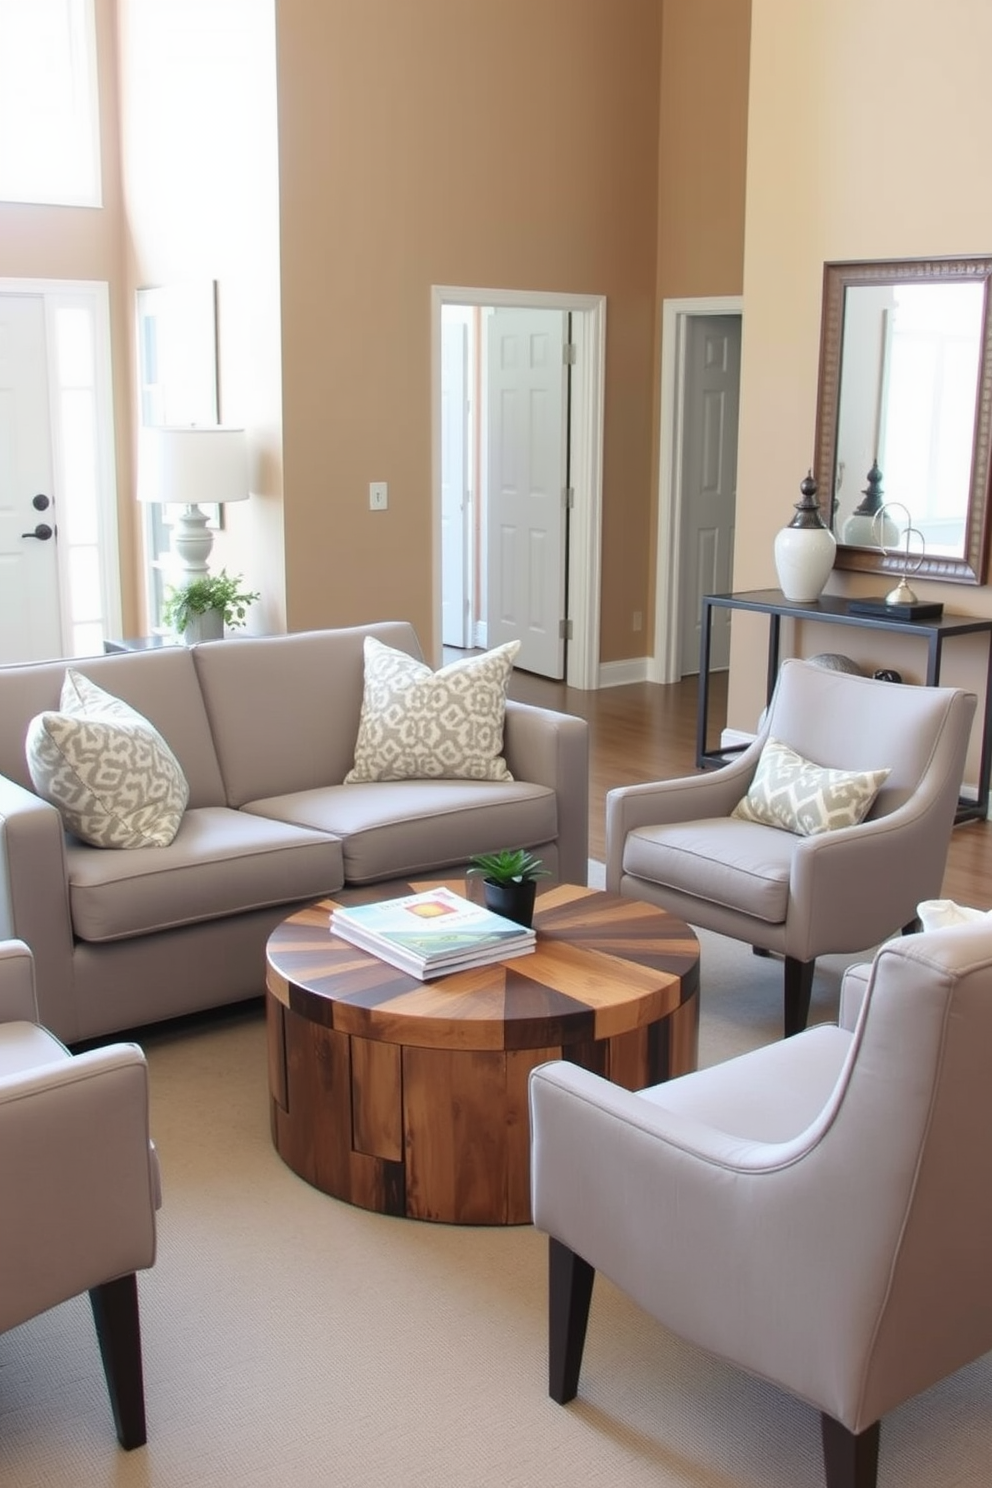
(433, 933)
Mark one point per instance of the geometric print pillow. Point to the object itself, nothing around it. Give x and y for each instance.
(792, 793)
(417, 724)
(108, 770)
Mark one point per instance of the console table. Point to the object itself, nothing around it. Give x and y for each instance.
(836, 610)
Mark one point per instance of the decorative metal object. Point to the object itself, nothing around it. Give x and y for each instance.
(805, 549)
(902, 594)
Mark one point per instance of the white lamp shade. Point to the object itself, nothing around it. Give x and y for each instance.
(192, 465)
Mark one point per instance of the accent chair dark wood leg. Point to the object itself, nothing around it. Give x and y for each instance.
(798, 990)
(759, 951)
(118, 1329)
(851, 1461)
(570, 1280)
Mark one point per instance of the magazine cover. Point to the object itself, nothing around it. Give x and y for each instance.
(433, 927)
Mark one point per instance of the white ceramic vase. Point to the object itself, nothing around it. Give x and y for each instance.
(805, 550)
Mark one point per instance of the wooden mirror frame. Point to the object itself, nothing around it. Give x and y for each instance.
(971, 567)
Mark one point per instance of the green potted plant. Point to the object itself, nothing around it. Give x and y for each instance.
(199, 609)
(509, 881)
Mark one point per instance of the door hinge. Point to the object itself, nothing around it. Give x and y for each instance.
(568, 497)
(568, 354)
(564, 630)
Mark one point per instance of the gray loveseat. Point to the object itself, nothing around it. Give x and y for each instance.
(264, 729)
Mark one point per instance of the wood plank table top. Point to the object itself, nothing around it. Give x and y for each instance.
(386, 1091)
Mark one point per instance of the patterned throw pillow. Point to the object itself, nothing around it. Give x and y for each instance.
(422, 725)
(791, 792)
(108, 770)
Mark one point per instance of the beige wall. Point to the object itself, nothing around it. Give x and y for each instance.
(507, 145)
(867, 138)
(87, 243)
(701, 165)
(199, 165)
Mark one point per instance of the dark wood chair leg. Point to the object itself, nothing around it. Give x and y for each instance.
(570, 1280)
(798, 990)
(851, 1461)
(118, 1329)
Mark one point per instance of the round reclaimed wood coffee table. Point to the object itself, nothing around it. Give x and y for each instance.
(410, 1098)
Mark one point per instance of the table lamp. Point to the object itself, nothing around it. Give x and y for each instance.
(184, 466)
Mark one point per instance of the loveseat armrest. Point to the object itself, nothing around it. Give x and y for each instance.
(34, 899)
(543, 747)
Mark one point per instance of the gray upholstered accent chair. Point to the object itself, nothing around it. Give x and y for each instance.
(817, 1212)
(675, 843)
(79, 1183)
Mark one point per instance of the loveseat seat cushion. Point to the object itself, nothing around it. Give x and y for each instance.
(221, 862)
(390, 829)
(738, 864)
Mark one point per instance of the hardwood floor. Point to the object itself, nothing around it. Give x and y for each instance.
(645, 731)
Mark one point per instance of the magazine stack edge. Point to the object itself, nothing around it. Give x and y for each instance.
(432, 933)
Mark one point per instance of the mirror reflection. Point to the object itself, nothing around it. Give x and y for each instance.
(905, 421)
(904, 412)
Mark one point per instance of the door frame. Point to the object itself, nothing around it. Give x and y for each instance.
(56, 293)
(586, 446)
(664, 665)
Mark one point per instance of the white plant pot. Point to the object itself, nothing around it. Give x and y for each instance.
(209, 626)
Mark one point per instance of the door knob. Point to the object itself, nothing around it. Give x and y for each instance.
(40, 502)
(42, 532)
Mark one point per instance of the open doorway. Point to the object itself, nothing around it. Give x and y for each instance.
(700, 392)
(475, 334)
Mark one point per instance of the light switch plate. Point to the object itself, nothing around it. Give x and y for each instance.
(378, 495)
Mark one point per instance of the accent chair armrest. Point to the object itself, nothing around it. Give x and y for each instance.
(81, 1123)
(17, 999)
(663, 802)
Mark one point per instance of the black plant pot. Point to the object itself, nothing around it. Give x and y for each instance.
(513, 900)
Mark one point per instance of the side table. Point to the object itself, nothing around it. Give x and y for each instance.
(836, 610)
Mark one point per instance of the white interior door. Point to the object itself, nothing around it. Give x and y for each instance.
(709, 480)
(455, 494)
(30, 615)
(526, 486)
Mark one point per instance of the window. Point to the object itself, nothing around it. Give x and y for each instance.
(49, 123)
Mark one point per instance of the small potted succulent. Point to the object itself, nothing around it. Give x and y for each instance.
(199, 609)
(509, 881)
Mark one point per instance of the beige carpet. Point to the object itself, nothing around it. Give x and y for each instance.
(292, 1340)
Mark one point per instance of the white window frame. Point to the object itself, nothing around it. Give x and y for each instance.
(84, 118)
(94, 296)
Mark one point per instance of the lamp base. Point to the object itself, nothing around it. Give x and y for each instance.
(192, 541)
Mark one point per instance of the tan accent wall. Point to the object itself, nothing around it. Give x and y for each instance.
(38, 242)
(199, 165)
(702, 157)
(506, 145)
(867, 138)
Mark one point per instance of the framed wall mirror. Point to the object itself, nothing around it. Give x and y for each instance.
(904, 414)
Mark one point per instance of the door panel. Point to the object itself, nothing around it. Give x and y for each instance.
(454, 484)
(708, 480)
(30, 620)
(527, 463)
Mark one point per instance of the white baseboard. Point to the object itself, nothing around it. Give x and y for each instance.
(620, 673)
(731, 738)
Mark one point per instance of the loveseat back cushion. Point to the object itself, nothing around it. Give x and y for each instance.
(221, 862)
(284, 710)
(390, 829)
(160, 685)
